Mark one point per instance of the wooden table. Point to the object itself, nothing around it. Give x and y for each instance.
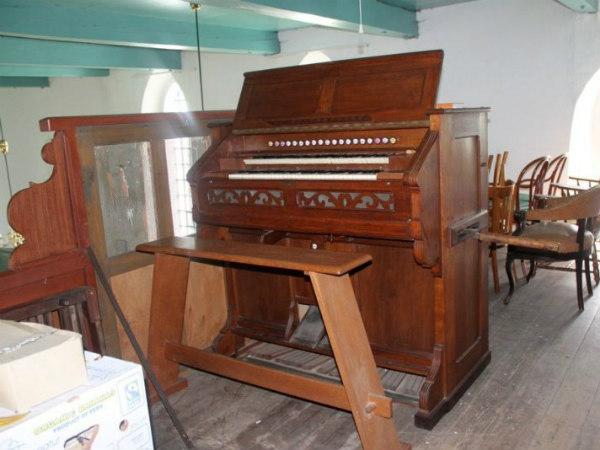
(360, 392)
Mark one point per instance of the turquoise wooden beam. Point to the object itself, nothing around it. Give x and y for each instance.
(55, 22)
(378, 18)
(583, 6)
(19, 51)
(44, 71)
(13, 82)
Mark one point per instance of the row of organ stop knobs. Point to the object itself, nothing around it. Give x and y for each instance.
(341, 141)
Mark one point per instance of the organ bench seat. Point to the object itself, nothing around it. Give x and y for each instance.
(361, 391)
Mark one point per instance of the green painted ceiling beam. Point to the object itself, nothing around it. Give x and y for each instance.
(19, 51)
(24, 82)
(44, 71)
(378, 18)
(23, 19)
(417, 5)
(585, 6)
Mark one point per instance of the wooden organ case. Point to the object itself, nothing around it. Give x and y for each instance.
(352, 156)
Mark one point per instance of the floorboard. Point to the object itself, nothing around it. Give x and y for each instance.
(540, 391)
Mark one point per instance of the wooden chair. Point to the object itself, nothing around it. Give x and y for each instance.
(74, 310)
(499, 169)
(565, 241)
(568, 190)
(531, 180)
(554, 174)
(585, 183)
(501, 221)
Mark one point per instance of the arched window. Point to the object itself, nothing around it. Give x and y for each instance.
(182, 153)
(315, 57)
(175, 99)
(584, 146)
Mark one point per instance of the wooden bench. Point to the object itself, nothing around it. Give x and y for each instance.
(360, 392)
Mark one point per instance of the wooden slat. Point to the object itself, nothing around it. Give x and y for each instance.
(291, 258)
(299, 386)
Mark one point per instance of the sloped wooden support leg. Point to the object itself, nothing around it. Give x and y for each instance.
(169, 289)
(354, 358)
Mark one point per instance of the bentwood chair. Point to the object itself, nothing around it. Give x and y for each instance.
(554, 174)
(530, 182)
(565, 241)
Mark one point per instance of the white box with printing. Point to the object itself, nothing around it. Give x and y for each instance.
(110, 412)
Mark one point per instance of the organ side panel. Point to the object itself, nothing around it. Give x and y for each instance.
(464, 205)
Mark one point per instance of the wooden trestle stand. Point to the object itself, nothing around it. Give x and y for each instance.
(360, 392)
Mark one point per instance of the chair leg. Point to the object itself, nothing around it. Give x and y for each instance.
(523, 268)
(511, 281)
(531, 270)
(588, 275)
(494, 258)
(595, 264)
(578, 274)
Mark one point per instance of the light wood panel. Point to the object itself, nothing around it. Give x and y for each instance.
(206, 305)
(134, 291)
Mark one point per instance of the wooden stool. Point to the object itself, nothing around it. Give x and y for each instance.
(361, 391)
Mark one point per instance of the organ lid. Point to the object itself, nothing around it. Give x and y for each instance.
(357, 93)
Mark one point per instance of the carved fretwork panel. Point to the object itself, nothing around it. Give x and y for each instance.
(374, 201)
(249, 197)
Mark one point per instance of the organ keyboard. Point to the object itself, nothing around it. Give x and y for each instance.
(353, 156)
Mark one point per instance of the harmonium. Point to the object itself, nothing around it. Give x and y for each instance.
(355, 156)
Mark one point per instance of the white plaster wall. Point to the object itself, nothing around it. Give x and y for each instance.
(527, 60)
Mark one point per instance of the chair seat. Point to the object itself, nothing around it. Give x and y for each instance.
(563, 233)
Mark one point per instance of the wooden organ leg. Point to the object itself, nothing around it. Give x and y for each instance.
(169, 289)
(370, 408)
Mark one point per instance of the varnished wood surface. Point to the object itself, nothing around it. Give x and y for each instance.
(323, 261)
(540, 391)
(376, 89)
(60, 123)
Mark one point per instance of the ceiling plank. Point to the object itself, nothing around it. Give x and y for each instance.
(24, 82)
(583, 6)
(378, 18)
(55, 22)
(45, 71)
(19, 51)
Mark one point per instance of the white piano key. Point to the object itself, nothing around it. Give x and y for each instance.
(302, 176)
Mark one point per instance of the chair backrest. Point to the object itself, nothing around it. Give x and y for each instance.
(499, 169)
(531, 181)
(554, 174)
(501, 208)
(490, 161)
(585, 182)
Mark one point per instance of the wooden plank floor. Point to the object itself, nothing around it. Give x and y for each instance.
(541, 390)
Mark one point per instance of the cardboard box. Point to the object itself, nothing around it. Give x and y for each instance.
(111, 412)
(37, 362)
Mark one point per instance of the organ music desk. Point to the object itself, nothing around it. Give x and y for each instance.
(360, 392)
